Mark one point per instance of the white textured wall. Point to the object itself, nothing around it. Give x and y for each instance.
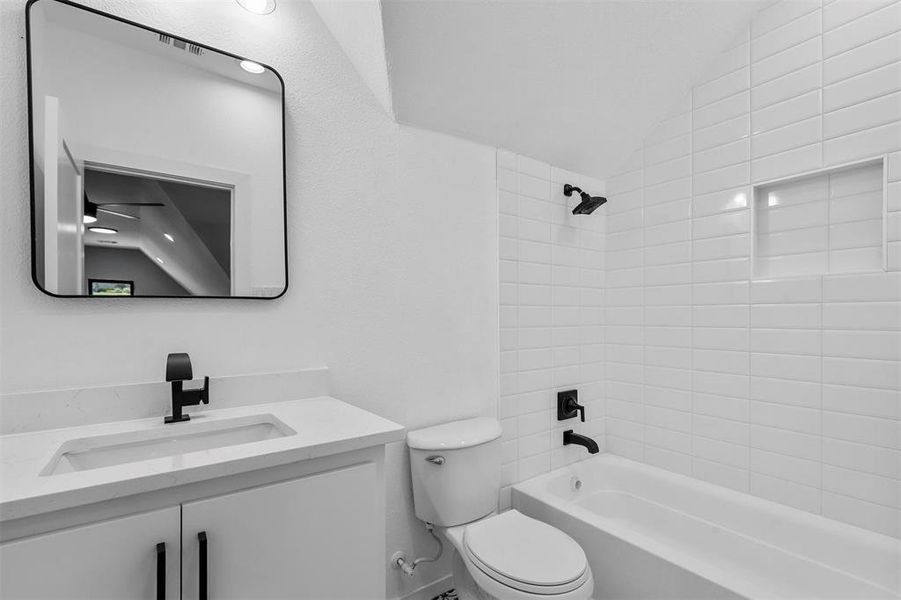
(788, 389)
(392, 254)
(551, 315)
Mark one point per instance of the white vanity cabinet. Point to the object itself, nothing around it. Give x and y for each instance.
(317, 537)
(112, 560)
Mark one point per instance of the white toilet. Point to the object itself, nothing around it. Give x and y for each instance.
(456, 479)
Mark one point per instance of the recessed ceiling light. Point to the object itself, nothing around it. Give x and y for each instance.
(252, 67)
(258, 7)
(103, 230)
(90, 211)
(159, 260)
(168, 237)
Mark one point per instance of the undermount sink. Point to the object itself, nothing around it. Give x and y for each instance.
(83, 454)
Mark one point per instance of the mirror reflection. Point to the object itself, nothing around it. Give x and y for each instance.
(157, 163)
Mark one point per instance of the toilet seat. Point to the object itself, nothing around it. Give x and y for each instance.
(525, 554)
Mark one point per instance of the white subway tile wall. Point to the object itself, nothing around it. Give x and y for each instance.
(551, 315)
(788, 389)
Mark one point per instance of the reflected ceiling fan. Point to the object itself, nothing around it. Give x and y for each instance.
(92, 208)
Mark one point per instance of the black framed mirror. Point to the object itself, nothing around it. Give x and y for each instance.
(156, 161)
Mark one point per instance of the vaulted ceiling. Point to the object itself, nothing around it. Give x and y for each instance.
(571, 82)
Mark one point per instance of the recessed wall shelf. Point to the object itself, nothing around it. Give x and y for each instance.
(828, 221)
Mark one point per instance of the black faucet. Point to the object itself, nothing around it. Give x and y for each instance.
(580, 440)
(178, 370)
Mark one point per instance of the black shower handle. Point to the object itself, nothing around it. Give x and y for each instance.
(568, 405)
(573, 406)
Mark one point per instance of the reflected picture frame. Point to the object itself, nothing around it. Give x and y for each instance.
(111, 287)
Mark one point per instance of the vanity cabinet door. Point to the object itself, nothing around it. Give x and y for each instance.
(318, 537)
(111, 560)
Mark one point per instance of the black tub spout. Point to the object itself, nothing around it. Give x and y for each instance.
(580, 440)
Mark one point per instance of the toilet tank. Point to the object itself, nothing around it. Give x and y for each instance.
(456, 470)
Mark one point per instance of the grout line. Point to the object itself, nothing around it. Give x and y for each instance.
(497, 199)
(666, 181)
(896, 509)
(708, 127)
(787, 480)
(857, 103)
(798, 144)
(724, 75)
(753, 37)
(893, 122)
(751, 245)
(795, 96)
(822, 370)
(643, 245)
(734, 185)
(679, 156)
(672, 138)
(870, 71)
(709, 149)
(858, 46)
(824, 251)
(792, 46)
(725, 119)
(886, 7)
(773, 80)
(732, 96)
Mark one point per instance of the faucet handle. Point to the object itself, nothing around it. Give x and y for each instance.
(574, 407)
(178, 367)
(205, 390)
(568, 405)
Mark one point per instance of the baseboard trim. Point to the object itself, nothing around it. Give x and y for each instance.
(430, 590)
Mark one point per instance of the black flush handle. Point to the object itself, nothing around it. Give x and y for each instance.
(161, 571)
(202, 592)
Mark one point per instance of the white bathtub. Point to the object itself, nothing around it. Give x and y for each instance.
(652, 534)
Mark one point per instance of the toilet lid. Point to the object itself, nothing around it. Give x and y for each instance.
(515, 549)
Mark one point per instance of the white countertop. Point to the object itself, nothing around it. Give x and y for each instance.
(324, 426)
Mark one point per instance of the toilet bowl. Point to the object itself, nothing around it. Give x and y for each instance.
(455, 469)
(511, 556)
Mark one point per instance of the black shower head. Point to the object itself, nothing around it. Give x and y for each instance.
(588, 203)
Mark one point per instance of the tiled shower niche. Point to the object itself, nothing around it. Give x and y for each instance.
(831, 221)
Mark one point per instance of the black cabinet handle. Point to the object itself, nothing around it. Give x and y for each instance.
(201, 537)
(161, 571)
